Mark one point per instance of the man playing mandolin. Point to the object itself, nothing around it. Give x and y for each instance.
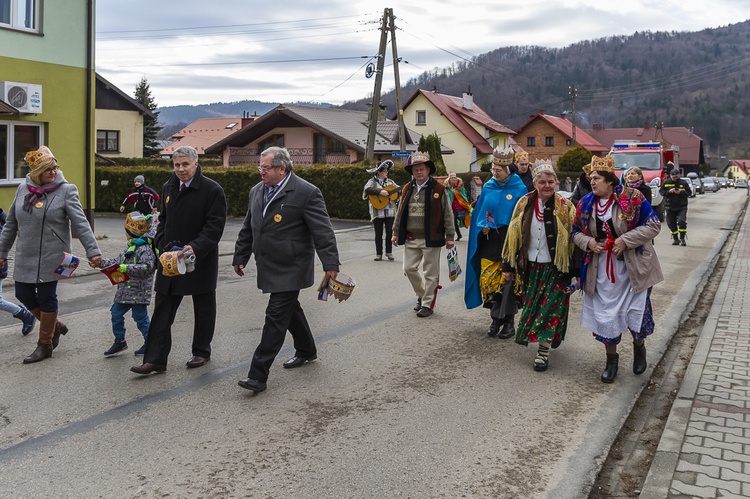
(382, 193)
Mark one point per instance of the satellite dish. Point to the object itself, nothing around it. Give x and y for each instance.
(370, 70)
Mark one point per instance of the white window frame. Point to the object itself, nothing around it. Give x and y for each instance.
(9, 152)
(14, 24)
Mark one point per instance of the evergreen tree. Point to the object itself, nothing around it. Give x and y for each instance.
(151, 128)
(573, 159)
(431, 145)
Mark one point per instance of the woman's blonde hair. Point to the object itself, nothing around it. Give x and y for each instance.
(633, 169)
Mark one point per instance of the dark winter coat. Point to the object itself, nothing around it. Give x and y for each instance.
(195, 217)
(286, 237)
(672, 201)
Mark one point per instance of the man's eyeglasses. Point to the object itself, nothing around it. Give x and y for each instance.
(263, 169)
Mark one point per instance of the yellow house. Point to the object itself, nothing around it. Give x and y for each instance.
(119, 122)
(738, 168)
(461, 126)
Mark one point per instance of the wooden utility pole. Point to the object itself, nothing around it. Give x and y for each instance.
(375, 110)
(399, 109)
(573, 103)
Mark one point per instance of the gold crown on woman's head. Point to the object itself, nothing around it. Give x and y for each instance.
(42, 157)
(543, 166)
(605, 164)
(502, 157)
(522, 155)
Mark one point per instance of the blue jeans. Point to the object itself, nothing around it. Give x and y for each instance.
(140, 316)
(6, 305)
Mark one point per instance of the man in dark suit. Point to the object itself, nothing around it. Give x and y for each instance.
(193, 215)
(286, 224)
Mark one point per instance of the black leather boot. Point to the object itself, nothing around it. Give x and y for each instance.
(682, 239)
(610, 372)
(494, 327)
(508, 329)
(675, 240)
(639, 358)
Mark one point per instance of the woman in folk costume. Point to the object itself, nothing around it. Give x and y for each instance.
(539, 251)
(459, 202)
(615, 226)
(382, 191)
(484, 282)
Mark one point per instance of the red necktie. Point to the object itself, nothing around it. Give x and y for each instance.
(182, 186)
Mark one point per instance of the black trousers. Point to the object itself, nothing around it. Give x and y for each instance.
(283, 314)
(159, 340)
(677, 221)
(379, 223)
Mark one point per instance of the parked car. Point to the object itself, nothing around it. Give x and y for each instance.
(692, 187)
(698, 185)
(723, 182)
(730, 183)
(710, 184)
(740, 182)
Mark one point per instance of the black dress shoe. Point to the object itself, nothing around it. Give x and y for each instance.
(197, 362)
(149, 368)
(252, 384)
(494, 327)
(298, 361)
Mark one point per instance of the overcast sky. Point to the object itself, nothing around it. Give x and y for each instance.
(198, 51)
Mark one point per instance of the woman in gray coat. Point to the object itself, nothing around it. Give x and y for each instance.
(40, 217)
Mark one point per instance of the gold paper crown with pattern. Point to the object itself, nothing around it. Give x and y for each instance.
(136, 223)
(522, 155)
(41, 157)
(605, 164)
(502, 157)
(587, 168)
(543, 166)
(418, 157)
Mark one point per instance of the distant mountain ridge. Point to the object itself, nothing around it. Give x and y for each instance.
(186, 114)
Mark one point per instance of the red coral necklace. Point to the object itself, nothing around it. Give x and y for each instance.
(539, 210)
(601, 210)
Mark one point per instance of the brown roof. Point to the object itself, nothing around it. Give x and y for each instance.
(691, 145)
(348, 126)
(453, 109)
(203, 133)
(566, 128)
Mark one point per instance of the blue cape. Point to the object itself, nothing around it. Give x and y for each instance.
(494, 208)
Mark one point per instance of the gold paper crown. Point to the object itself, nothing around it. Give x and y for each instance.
(172, 263)
(41, 157)
(341, 287)
(587, 168)
(605, 164)
(543, 166)
(136, 223)
(502, 157)
(522, 155)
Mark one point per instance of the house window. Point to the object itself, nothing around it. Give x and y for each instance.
(275, 140)
(549, 141)
(324, 146)
(530, 141)
(107, 141)
(19, 14)
(16, 139)
(421, 117)
(568, 142)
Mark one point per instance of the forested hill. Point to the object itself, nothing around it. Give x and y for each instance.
(691, 79)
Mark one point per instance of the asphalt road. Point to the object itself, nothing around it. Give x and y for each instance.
(396, 406)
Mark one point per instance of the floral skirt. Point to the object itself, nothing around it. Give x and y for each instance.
(545, 306)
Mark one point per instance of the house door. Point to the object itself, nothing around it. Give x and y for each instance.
(319, 148)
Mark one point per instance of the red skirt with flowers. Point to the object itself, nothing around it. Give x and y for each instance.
(545, 305)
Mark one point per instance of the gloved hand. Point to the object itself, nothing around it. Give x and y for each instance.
(123, 268)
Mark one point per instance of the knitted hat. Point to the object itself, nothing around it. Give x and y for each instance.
(38, 161)
(136, 224)
(139, 178)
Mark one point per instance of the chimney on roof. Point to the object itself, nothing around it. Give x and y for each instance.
(247, 119)
(598, 126)
(646, 125)
(468, 100)
(562, 115)
(381, 112)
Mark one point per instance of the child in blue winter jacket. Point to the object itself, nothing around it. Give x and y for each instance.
(138, 262)
(18, 312)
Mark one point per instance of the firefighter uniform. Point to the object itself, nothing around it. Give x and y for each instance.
(676, 192)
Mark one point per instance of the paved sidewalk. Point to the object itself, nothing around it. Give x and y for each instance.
(705, 448)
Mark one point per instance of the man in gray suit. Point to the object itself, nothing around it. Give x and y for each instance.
(285, 225)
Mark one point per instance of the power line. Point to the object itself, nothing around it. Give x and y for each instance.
(240, 63)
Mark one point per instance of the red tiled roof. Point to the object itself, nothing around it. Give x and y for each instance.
(566, 128)
(742, 164)
(203, 133)
(453, 109)
(691, 145)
